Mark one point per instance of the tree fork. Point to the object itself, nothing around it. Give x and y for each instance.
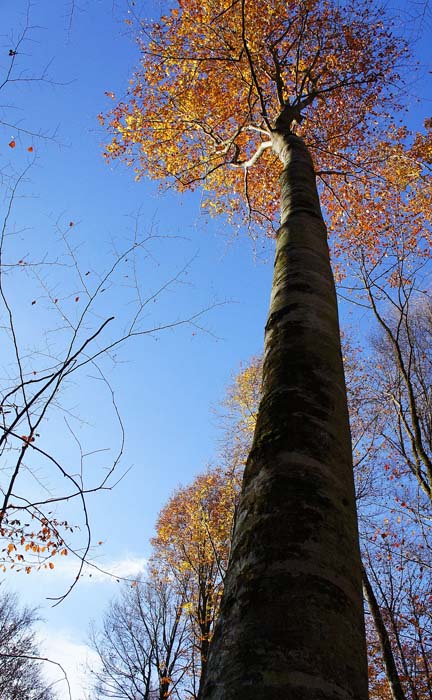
(291, 621)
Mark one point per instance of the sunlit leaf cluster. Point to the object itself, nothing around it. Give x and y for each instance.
(215, 76)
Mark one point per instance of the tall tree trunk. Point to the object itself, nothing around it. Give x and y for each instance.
(291, 620)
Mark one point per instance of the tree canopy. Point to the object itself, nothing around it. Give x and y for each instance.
(215, 79)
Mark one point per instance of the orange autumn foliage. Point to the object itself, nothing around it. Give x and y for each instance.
(239, 413)
(192, 541)
(31, 546)
(387, 206)
(214, 76)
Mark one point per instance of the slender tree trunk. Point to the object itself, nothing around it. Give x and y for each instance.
(291, 620)
(392, 675)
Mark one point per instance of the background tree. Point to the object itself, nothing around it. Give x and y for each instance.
(167, 620)
(192, 540)
(21, 667)
(404, 380)
(400, 581)
(144, 645)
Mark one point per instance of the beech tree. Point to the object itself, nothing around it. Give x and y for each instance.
(227, 95)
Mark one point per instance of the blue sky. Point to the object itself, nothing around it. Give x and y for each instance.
(165, 384)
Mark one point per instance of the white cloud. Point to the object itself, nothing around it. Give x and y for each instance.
(128, 567)
(75, 659)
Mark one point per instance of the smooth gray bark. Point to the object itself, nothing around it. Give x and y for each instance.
(291, 620)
